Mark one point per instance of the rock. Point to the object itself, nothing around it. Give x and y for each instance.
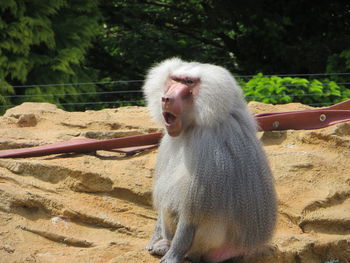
(27, 120)
(97, 207)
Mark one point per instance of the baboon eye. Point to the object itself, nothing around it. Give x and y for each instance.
(189, 81)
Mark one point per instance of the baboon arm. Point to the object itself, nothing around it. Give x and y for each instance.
(180, 244)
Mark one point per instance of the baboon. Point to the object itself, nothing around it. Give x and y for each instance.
(213, 187)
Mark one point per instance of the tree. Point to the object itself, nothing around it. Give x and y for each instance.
(247, 36)
(44, 42)
(61, 42)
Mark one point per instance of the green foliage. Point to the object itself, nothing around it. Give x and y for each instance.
(339, 63)
(137, 34)
(247, 37)
(119, 93)
(44, 42)
(275, 89)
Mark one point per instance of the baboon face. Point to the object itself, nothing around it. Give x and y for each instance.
(177, 102)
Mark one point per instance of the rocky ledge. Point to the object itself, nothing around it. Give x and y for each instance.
(96, 207)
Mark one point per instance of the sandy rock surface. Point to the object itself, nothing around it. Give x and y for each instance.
(97, 207)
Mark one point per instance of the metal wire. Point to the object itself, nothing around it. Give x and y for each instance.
(74, 94)
(77, 84)
(135, 91)
(141, 81)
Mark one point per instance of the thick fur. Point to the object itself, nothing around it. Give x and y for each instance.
(218, 97)
(214, 175)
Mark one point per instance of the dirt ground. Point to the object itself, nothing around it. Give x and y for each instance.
(96, 207)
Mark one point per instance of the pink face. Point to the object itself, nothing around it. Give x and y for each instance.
(177, 101)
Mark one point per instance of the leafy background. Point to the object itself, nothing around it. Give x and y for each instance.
(93, 54)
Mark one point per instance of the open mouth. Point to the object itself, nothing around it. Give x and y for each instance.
(169, 118)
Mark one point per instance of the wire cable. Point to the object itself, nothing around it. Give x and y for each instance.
(141, 81)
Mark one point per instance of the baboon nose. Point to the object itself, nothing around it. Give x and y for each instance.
(166, 99)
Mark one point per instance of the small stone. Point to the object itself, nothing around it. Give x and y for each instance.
(27, 120)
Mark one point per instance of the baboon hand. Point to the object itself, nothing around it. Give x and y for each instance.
(160, 248)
